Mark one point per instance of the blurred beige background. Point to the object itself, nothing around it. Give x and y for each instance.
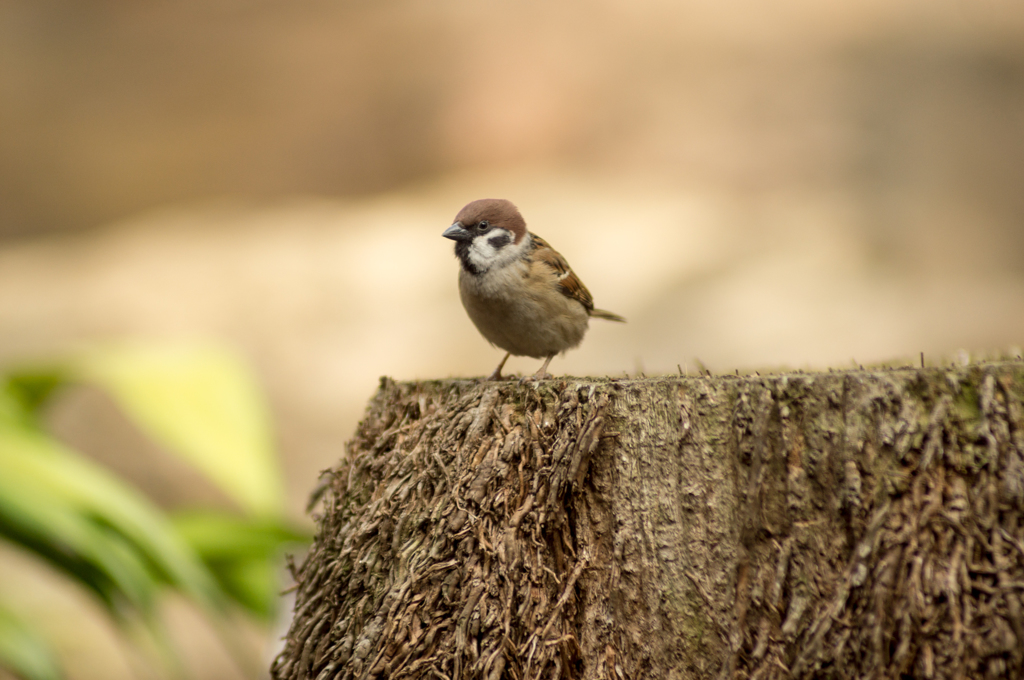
(753, 185)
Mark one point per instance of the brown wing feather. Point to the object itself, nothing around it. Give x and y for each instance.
(568, 283)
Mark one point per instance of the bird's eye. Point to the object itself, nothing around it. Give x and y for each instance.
(483, 226)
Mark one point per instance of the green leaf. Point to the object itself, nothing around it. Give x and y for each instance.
(96, 556)
(220, 536)
(90, 524)
(202, 404)
(243, 553)
(32, 388)
(254, 584)
(25, 653)
(12, 411)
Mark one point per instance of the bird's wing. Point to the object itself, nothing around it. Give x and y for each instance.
(568, 283)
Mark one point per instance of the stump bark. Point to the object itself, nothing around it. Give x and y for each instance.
(863, 524)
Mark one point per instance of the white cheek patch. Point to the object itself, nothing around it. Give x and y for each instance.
(481, 252)
(485, 256)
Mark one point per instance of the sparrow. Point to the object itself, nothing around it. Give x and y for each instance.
(519, 292)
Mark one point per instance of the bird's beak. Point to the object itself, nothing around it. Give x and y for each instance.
(457, 232)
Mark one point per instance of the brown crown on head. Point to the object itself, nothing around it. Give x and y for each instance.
(497, 211)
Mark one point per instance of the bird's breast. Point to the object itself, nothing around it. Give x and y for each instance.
(522, 314)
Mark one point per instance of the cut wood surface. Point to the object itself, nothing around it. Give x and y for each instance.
(836, 525)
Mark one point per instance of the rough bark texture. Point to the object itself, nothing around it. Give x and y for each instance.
(838, 525)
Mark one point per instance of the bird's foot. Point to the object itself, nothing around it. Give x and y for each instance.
(497, 372)
(535, 378)
(542, 372)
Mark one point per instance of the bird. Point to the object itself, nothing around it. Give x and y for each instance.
(520, 293)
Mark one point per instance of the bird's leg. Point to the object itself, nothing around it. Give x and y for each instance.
(497, 372)
(543, 372)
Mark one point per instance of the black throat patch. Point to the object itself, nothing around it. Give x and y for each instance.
(462, 252)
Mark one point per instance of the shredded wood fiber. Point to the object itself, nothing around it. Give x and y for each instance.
(446, 547)
(842, 525)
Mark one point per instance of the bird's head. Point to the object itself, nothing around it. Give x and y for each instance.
(488, 233)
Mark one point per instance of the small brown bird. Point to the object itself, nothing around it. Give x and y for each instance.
(519, 292)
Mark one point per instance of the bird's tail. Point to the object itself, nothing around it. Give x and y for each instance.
(603, 314)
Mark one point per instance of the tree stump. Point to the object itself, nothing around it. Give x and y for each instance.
(861, 524)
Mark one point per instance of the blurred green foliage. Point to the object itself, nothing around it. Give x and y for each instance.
(25, 653)
(198, 402)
